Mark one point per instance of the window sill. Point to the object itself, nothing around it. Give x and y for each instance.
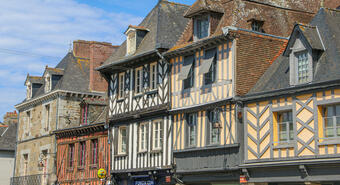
(70, 169)
(138, 95)
(155, 151)
(196, 149)
(81, 168)
(121, 155)
(329, 141)
(93, 166)
(152, 91)
(284, 145)
(120, 100)
(142, 152)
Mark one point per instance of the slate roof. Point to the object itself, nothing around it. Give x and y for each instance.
(8, 137)
(75, 76)
(327, 67)
(165, 24)
(279, 18)
(204, 6)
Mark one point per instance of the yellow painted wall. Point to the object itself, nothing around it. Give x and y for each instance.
(221, 89)
(227, 132)
(308, 126)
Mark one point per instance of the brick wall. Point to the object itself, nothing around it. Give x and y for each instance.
(255, 53)
(97, 52)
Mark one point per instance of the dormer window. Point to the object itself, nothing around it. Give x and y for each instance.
(47, 83)
(201, 28)
(257, 25)
(28, 91)
(131, 42)
(302, 67)
(134, 36)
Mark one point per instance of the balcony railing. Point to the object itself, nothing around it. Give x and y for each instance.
(39, 179)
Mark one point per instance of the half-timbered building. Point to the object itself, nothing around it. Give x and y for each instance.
(219, 57)
(291, 116)
(139, 97)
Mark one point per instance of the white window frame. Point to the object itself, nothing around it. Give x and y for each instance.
(121, 85)
(153, 76)
(143, 135)
(120, 140)
(289, 127)
(196, 30)
(334, 118)
(139, 78)
(157, 135)
(306, 66)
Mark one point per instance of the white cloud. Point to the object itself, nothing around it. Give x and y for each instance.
(43, 29)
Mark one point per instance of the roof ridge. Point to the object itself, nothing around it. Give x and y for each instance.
(176, 3)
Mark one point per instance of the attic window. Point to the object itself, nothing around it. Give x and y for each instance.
(201, 27)
(257, 25)
(47, 83)
(28, 91)
(131, 42)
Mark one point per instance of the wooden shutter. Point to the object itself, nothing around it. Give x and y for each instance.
(127, 138)
(115, 140)
(186, 130)
(161, 134)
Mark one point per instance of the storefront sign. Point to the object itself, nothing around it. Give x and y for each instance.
(167, 179)
(144, 183)
(243, 179)
(101, 173)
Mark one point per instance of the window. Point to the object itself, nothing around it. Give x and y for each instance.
(191, 125)
(122, 140)
(94, 151)
(210, 64)
(214, 127)
(331, 121)
(138, 80)
(28, 91)
(202, 27)
(47, 117)
(131, 42)
(82, 153)
(285, 126)
(28, 117)
(143, 134)
(25, 157)
(153, 76)
(189, 81)
(84, 114)
(70, 155)
(257, 25)
(121, 85)
(302, 67)
(157, 135)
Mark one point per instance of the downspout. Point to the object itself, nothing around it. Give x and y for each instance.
(55, 143)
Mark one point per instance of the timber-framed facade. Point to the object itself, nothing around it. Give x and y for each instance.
(139, 97)
(291, 127)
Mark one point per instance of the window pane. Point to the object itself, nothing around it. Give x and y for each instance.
(291, 131)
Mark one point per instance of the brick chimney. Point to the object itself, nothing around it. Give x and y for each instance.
(96, 53)
(99, 52)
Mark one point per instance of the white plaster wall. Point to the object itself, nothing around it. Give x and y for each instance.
(6, 167)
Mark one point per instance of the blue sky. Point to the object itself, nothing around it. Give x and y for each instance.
(36, 33)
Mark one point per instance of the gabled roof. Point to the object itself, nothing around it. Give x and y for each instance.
(34, 79)
(201, 6)
(8, 137)
(165, 24)
(327, 21)
(53, 71)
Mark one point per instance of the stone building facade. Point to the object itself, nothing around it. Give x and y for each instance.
(53, 102)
